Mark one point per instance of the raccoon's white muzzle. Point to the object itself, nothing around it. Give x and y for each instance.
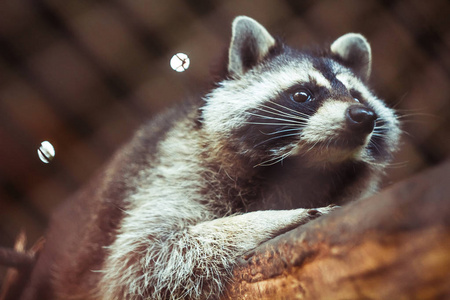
(338, 130)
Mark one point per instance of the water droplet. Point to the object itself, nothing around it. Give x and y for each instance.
(46, 152)
(180, 62)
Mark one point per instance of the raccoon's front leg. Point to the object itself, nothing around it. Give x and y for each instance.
(247, 231)
(194, 261)
(223, 240)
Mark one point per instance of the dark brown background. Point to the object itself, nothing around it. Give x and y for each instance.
(85, 74)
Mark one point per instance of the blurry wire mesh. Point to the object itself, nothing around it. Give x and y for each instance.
(84, 75)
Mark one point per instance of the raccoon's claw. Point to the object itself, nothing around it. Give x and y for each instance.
(313, 212)
(317, 212)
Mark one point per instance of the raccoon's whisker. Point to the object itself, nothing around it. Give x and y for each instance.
(284, 115)
(379, 134)
(414, 116)
(417, 118)
(328, 143)
(324, 145)
(298, 115)
(399, 101)
(381, 129)
(401, 113)
(275, 124)
(276, 137)
(375, 145)
(273, 161)
(397, 164)
(418, 114)
(284, 156)
(280, 131)
(290, 109)
(312, 147)
(277, 119)
(385, 126)
(407, 133)
(335, 143)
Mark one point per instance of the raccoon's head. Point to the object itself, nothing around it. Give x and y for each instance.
(280, 103)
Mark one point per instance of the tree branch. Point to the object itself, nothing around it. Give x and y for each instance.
(395, 245)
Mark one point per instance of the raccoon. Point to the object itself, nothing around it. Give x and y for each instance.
(284, 136)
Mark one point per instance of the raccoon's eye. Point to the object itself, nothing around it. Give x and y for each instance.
(301, 96)
(356, 95)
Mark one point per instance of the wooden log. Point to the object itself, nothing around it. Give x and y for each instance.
(395, 245)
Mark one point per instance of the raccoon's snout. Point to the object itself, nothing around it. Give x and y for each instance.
(360, 118)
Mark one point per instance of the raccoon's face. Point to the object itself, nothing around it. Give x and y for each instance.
(280, 103)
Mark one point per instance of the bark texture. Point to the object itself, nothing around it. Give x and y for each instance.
(395, 245)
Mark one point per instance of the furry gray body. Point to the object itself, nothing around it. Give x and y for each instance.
(211, 179)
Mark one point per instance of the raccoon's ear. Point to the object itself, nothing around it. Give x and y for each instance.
(354, 51)
(250, 43)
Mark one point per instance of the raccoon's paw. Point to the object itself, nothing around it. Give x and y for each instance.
(314, 213)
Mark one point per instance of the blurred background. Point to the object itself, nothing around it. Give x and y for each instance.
(84, 74)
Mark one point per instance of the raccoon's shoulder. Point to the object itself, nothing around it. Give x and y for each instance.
(120, 175)
(143, 147)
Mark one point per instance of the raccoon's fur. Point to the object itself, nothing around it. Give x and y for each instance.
(283, 136)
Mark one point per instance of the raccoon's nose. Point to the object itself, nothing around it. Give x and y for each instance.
(361, 118)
